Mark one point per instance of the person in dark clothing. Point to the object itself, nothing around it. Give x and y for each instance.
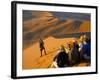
(86, 50)
(75, 53)
(41, 45)
(61, 58)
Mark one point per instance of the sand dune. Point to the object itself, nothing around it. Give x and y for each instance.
(85, 27)
(31, 55)
(51, 26)
(41, 14)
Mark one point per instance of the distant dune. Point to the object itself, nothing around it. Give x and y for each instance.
(38, 14)
(47, 25)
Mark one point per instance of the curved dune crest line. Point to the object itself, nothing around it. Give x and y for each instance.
(41, 14)
(85, 27)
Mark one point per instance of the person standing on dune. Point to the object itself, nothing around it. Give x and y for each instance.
(41, 45)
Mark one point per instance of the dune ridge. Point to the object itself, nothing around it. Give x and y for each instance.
(49, 25)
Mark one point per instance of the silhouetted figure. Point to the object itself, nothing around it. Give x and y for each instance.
(42, 48)
(75, 53)
(61, 59)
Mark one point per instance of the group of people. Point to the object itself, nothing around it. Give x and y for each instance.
(73, 53)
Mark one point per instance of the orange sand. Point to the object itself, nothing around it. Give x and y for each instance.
(31, 55)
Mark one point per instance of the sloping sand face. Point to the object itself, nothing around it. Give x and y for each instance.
(31, 55)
